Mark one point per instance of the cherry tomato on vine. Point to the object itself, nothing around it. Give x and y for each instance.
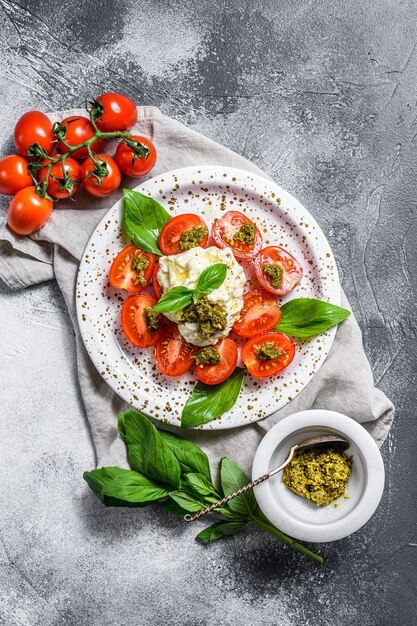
(78, 130)
(169, 238)
(14, 174)
(91, 182)
(215, 374)
(290, 271)
(255, 361)
(130, 163)
(225, 232)
(113, 111)
(124, 276)
(61, 184)
(173, 354)
(134, 321)
(28, 211)
(33, 127)
(155, 285)
(260, 312)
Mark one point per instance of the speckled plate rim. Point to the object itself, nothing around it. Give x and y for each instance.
(372, 483)
(210, 175)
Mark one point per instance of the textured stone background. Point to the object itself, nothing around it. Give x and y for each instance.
(322, 96)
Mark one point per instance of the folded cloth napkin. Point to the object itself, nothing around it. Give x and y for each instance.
(342, 384)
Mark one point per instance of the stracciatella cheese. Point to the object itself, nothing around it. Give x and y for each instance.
(185, 269)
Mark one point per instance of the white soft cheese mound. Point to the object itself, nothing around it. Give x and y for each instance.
(185, 269)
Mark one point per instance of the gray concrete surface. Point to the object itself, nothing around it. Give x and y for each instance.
(321, 95)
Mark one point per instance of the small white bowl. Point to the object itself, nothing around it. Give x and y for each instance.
(300, 518)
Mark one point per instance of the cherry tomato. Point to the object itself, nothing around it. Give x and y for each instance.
(260, 312)
(109, 183)
(78, 130)
(118, 112)
(67, 185)
(169, 239)
(263, 368)
(28, 211)
(214, 374)
(225, 229)
(155, 285)
(134, 321)
(33, 127)
(131, 164)
(123, 276)
(14, 174)
(292, 270)
(172, 353)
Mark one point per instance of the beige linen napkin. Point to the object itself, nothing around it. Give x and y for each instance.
(342, 384)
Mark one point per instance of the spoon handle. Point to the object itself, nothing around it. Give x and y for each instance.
(254, 483)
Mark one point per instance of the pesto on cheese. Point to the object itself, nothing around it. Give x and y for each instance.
(210, 317)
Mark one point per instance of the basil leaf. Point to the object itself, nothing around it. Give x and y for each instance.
(307, 317)
(233, 478)
(143, 219)
(189, 455)
(172, 507)
(211, 278)
(187, 501)
(207, 402)
(148, 453)
(99, 480)
(174, 300)
(134, 487)
(219, 530)
(199, 484)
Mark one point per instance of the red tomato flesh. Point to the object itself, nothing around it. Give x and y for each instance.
(169, 239)
(214, 374)
(134, 321)
(260, 312)
(172, 353)
(123, 276)
(264, 368)
(275, 255)
(224, 230)
(155, 285)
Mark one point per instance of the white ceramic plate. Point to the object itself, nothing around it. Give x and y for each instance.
(208, 191)
(299, 517)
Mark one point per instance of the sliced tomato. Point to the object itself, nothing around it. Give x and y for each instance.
(173, 354)
(155, 285)
(134, 321)
(292, 270)
(263, 368)
(169, 239)
(214, 374)
(225, 229)
(123, 276)
(260, 312)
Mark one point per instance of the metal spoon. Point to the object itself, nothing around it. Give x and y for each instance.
(325, 441)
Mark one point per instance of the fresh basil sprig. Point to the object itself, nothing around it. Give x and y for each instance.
(143, 219)
(207, 402)
(173, 472)
(307, 317)
(178, 298)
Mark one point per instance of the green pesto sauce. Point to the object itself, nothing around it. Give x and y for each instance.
(267, 352)
(246, 233)
(319, 476)
(209, 316)
(152, 319)
(208, 356)
(275, 274)
(139, 264)
(192, 237)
